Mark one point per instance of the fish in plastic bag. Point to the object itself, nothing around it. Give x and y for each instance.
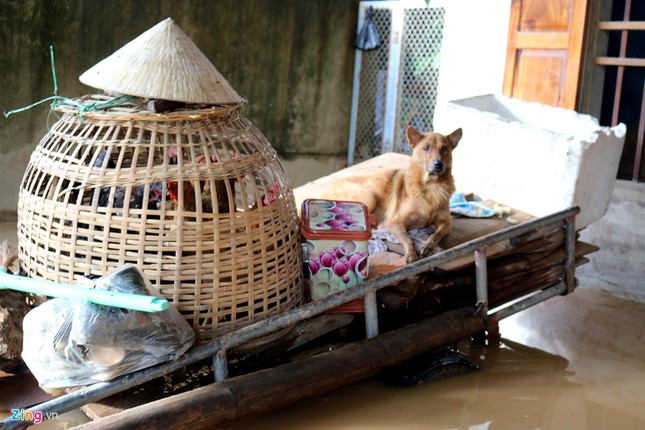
(69, 343)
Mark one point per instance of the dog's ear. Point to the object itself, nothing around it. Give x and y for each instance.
(455, 137)
(413, 135)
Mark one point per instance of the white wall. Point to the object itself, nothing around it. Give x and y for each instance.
(474, 47)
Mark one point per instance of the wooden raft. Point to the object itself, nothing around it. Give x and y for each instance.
(516, 267)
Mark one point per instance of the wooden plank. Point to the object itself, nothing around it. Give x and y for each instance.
(510, 276)
(584, 248)
(394, 296)
(464, 230)
(542, 40)
(313, 328)
(577, 30)
(551, 15)
(511, 49)
(540, 75)
(530, 241)
(620, 61)
(621, 25)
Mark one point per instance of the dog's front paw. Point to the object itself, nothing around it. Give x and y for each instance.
(411, 256)
(429, 249)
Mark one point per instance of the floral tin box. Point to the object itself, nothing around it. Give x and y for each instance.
(335, 234)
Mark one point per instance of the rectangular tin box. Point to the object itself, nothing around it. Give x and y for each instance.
(335, 235)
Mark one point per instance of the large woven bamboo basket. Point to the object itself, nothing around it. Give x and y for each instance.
(197, 198)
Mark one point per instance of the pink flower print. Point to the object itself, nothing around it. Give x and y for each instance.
(340, 268)
(357, 261)
(339, 251)
(314, 267)
(337, 210)
(327, 259)
(344, 217)
(345, 279)
(334, 224)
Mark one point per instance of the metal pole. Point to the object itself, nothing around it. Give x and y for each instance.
(570, 248)
(220, 365)
(392, 86)
(371, 314)
(481, 278)
(353, 117)
(556, 290)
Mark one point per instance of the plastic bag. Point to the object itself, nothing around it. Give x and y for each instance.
(368, 37)
(69, 343)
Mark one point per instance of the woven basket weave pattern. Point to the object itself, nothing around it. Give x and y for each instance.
(197, 199)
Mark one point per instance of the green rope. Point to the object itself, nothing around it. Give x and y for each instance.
(61, 101)
(83, 108)
(51, 55)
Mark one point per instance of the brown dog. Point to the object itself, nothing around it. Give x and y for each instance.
(405, 199)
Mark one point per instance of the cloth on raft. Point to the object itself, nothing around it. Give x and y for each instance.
(458, 206)
(380, 237)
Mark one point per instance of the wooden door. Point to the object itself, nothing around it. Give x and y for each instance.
(544, 52)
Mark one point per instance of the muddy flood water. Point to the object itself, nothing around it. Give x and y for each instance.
(574, 362)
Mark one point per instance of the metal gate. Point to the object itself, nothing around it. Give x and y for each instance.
(395, 85)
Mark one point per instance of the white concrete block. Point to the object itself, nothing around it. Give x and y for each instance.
(533, 157)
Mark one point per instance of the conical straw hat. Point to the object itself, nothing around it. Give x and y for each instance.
(162, 63)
